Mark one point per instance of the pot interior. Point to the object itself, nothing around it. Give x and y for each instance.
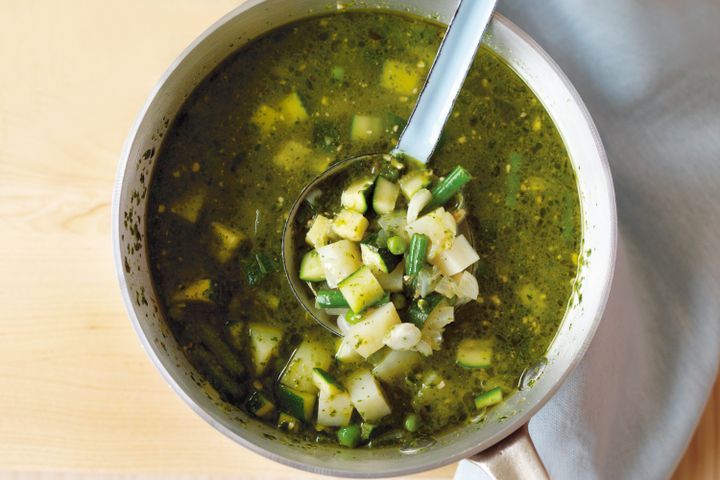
(130, 203)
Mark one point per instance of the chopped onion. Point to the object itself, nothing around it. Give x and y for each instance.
(467, 287)
(418, 201)
(403, 336)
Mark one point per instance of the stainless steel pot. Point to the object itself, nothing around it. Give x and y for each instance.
(513, 456)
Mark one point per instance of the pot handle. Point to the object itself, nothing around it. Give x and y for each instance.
(513, 458)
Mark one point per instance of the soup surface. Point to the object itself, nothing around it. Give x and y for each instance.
(265, 123)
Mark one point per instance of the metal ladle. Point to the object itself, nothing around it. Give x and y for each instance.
(418, 139)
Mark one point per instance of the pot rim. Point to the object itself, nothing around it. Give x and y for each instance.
(517, 422)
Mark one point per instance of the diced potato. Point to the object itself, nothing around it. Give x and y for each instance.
(292, 109)
(457, 258)
(367, 396)
(292, 154)
(365, 128)
(339, 260)
(350, 225)
(439, 226)
(226, 241)
(413, 181)
(346, 353)
(265, 118)
(367, 335)
(532, 298)
(334, 410)
(264, 341)
(320, 232)
(400, 77)
(298, 372)
(201, 291)
(190, 205)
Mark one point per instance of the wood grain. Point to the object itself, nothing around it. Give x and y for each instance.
(78, 394)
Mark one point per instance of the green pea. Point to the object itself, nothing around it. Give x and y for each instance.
(412, 422)
(349, 436)
(396, 245)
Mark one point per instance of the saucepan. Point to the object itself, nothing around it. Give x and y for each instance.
(500, 444)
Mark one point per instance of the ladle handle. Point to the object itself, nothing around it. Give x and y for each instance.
(446, 76)
(513, 458)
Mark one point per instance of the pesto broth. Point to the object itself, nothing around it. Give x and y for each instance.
(277, 113)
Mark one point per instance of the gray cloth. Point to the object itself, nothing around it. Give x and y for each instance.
(649, 72)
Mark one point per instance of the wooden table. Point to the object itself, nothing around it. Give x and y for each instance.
(78, 393)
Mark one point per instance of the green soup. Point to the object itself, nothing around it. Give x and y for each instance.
(273, 116)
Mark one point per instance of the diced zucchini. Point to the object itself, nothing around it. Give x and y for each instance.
(295, 402)
(311, 269)
(264, 341)
(190, 204)
(378, 259)
(288, 423)
(457, 258)
(367, 430)
(361, 289)
(393, 281)
(265, 118)
(226, 240)
(326, 383)
(367, 336)
(413, 181)
(489, 398)
(350, 225)
(440, 228)
(421, 308)
(203, 290)
(475, 353)
(292, 109)
(385, 196)
(298, 371)
(367, 396)
(395, 364)
(346, 353)
(339, 260)
(320, 232)
(331, 299)
(354, 197)
(365, 128)
(292, 155)
(400, 77)
(259, 404)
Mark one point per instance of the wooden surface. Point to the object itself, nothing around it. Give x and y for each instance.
(77, 393)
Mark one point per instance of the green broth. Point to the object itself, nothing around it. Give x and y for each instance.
(217, 164)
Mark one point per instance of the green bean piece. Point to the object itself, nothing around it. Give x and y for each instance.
(331, 299)
(349, 436)
(219, 379)
(210, 337)
(415, 256)
(412, 422)
(448, 186)
(396, 245)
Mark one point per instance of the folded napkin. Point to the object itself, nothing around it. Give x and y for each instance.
(649, 72)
